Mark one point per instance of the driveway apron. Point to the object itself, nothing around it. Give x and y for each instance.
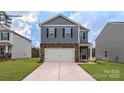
(59, 71)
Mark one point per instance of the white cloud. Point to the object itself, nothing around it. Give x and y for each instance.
(37, 26)
(36, 43)
(30, 17)
(56, 12)
(87, 19)
(95, 21)
(23, 24)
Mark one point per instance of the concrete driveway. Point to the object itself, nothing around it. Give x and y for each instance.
(59, 71)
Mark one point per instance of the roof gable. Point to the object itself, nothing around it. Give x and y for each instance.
(111, 28)
(62, 20)
(59, 20)
(3, 27)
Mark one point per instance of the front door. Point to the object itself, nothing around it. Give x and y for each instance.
(83, 54)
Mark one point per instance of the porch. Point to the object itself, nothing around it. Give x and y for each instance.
(5, 51)
(85, 52)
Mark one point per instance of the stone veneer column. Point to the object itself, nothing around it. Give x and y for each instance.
(41, 53)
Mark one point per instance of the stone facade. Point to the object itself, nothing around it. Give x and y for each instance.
(59, 45)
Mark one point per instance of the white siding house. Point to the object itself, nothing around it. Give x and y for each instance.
(14, 44)
(21, 47)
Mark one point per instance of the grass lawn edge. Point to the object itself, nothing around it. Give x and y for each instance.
(88, 71)
(30, 72)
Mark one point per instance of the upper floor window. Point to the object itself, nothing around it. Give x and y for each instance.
(4, 36)
(83, 35)
(51, 32)
(68, 32)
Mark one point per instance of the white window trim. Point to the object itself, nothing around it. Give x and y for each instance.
(67, 32)
(3, 37)
(51, 33)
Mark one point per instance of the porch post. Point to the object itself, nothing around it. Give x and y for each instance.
(91, 52)
(6, 49)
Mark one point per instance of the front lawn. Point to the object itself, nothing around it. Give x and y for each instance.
(17, 69)
(105, 71)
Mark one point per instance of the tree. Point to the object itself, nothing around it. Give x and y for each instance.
(5, 19)
(35, 52)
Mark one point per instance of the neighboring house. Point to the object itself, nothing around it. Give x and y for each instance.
(110, 42)
(13, 45)
(63, 39)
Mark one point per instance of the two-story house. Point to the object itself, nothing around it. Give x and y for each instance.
(63, 39)
(13, 45)
(110, 42)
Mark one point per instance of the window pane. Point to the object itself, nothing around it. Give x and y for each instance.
(51, 35)
(68, 35)
(51, 32)
(81, 35)
(68, 32)
(6, 36)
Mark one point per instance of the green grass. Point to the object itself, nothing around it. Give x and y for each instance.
(15, 70)
(105, 71)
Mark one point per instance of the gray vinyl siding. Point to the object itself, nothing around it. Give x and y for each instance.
(86, 37)
(111, 39)
(59, 21)
(59, 35)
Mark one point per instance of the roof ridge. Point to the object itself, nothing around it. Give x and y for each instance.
(61, 15)
(10, 30)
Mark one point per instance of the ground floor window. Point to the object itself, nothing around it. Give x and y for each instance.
(2, 50)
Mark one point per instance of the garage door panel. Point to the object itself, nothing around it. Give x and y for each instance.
(59, 54)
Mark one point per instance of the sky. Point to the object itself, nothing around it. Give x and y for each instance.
(28, 24)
